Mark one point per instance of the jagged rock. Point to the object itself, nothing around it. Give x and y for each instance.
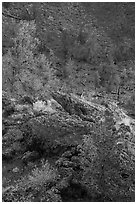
(73, 105)
(43, 106)
(39, 106)
(54, 104)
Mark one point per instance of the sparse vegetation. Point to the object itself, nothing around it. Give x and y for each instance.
(68, 101)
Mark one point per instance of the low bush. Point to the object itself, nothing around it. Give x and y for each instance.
(34, 186)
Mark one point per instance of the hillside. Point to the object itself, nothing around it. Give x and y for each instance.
(68, 101)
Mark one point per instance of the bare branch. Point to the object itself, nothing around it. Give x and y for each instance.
(11, 16)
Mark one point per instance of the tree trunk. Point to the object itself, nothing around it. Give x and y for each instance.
(118, 93)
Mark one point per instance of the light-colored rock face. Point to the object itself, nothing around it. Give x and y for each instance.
(42, 106)
(120, 117)
(39, 106)
(46, 106)
(128, 122)
(53, 103)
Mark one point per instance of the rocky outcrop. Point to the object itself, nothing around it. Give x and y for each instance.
(74, 105)
(92, 144)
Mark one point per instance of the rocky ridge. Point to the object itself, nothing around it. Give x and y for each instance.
(91, 146)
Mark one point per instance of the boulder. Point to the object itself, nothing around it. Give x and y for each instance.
(42, 106)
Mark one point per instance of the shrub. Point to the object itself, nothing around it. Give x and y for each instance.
(95, 152)
(41, 177)
(102, 165)
(34, 186)
(24, 70)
